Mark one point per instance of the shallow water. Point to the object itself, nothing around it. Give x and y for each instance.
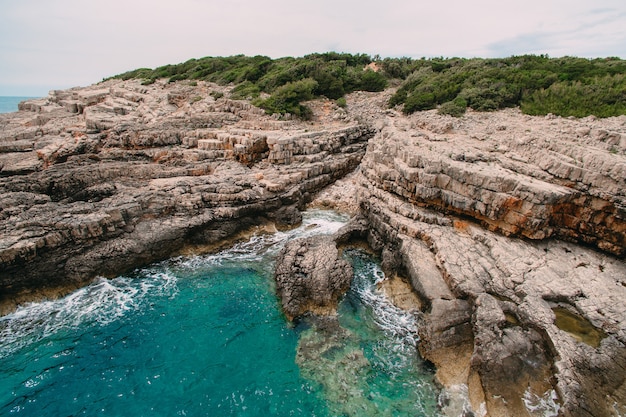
(204, 335)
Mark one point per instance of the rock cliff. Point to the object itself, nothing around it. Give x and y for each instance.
(511, 229)
(98, 180)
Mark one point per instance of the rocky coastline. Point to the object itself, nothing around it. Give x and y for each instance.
(100, 180)
(510, 229)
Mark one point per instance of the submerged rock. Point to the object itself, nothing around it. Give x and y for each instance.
(311, 276)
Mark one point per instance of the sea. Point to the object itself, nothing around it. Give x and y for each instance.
(9, 104)
(205, 336)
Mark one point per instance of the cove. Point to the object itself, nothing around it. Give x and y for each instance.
(204, 335)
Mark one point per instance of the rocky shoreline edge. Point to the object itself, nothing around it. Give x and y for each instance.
(509, 228)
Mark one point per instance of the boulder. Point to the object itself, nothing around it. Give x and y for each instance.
(311, 276)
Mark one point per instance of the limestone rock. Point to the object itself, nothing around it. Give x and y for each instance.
(102, 179)
(509, 290)
(532, 179)
(311, 276)
(451, 196)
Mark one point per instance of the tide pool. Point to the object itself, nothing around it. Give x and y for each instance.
(204, 336)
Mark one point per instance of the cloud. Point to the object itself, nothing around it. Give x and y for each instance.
(46, 44)
(601, 32)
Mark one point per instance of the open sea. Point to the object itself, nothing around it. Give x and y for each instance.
(205, 336)
(9, 104)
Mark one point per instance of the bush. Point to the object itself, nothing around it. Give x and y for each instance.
(538, 84)
(341, 102)
(245, 91)
(286, 99)
(456, 107)
(420, 100)
(217, 94)
(605, 97)
(372, 81)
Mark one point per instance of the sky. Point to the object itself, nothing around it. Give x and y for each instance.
(58, 44)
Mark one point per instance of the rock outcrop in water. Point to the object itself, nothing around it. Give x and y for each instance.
(510, 228)
(98, 180)
(311, 276)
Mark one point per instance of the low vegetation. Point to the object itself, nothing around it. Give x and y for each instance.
(538, 84)
(567, 86)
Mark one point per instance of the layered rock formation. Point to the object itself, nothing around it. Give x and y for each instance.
(518, 320)
(98, 180)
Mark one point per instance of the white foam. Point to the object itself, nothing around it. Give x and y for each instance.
(454, 402)
(546, 405)
(100, 303)
(399, 325)
(106, 301)
(259, 247)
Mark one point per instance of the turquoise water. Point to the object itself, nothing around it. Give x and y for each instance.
(204, 336)
(9, 104)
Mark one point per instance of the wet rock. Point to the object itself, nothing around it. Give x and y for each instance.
(311, 276)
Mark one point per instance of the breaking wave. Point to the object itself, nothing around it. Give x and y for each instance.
(546, 405)
(100, 303)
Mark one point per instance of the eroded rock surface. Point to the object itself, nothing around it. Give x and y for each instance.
(515, 174)
(510, 228)
(98, 180)
(311, 276)
(444, 199)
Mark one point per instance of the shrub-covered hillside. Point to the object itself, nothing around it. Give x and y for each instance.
(539, 85)
(289, 80)
(567, 86)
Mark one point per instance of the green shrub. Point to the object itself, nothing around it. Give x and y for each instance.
(538, 84)
(372, 81)
(245, 91)
(286, 99)
(456, 107)
(420, 100)
(341, 102)
(217, 94)
(604, 97)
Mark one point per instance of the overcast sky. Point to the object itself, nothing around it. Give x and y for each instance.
(56, 44)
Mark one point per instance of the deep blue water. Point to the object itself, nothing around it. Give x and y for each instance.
(9, 104)
(204, 336)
